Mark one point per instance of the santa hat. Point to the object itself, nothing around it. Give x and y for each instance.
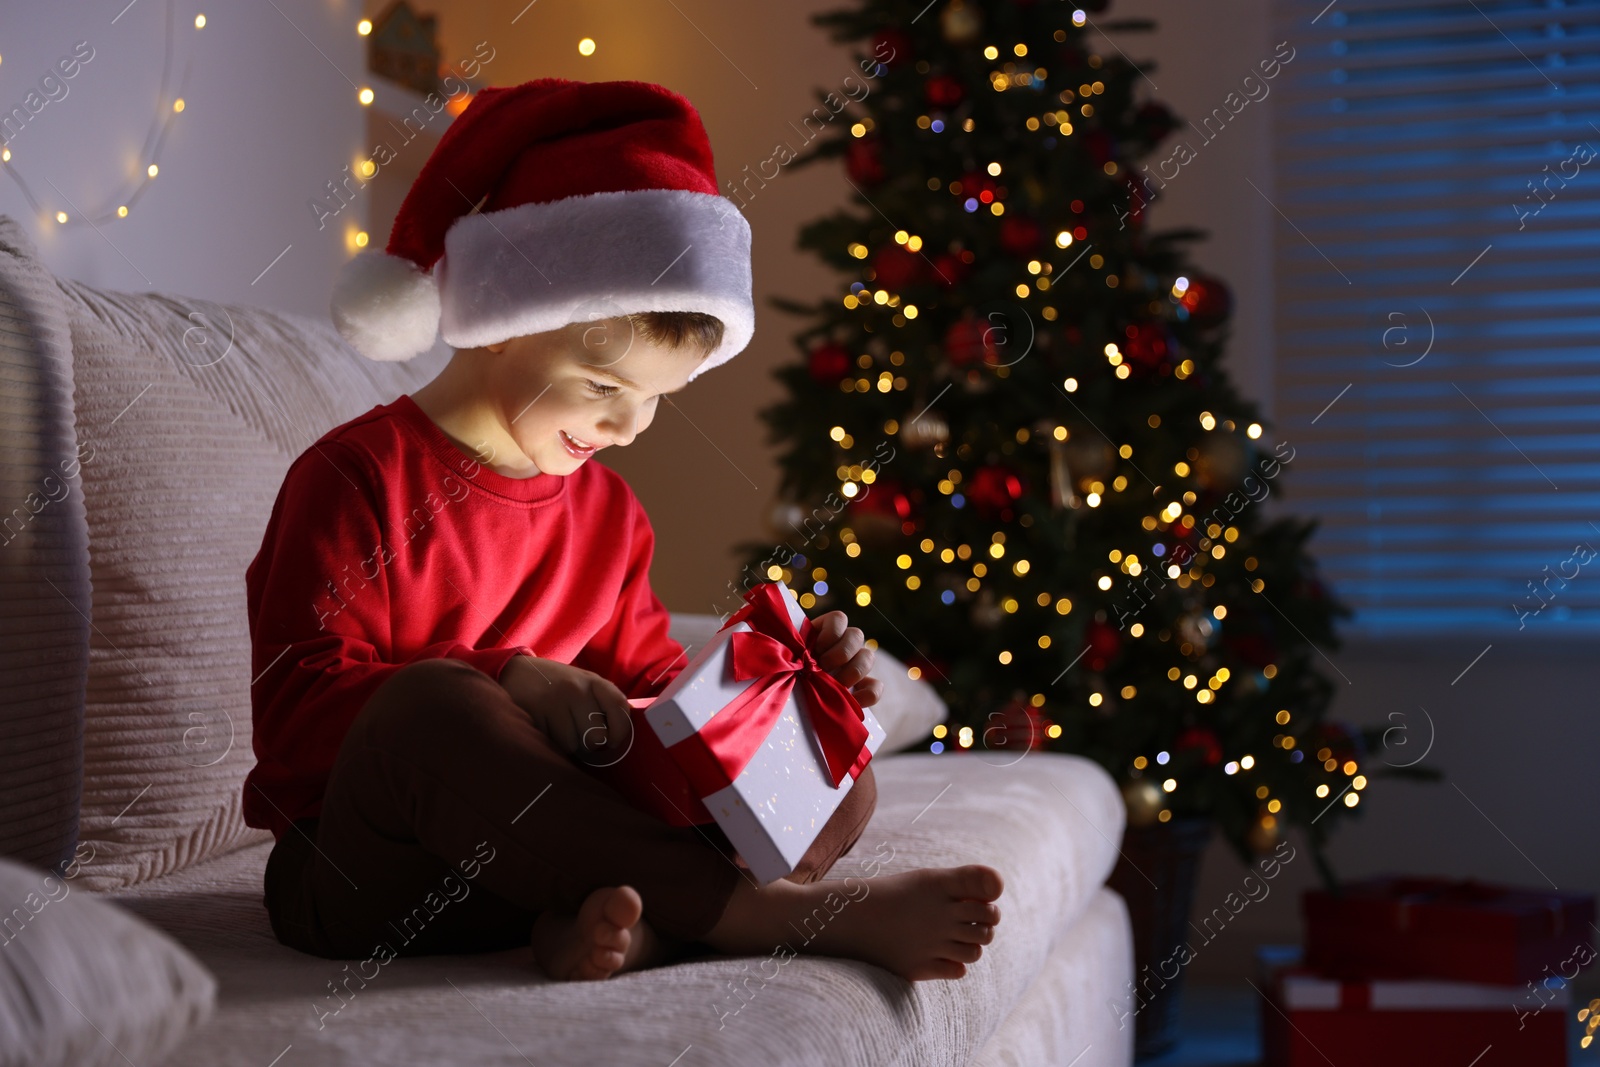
(549, 203)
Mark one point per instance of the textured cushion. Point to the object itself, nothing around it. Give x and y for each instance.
(195, 411)
(908, 711)
(84, 983)
(44, 566)
(1048, 823)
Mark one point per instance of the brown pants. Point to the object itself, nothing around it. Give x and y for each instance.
(450, 822)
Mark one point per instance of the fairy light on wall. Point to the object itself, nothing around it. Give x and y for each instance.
(150, 153)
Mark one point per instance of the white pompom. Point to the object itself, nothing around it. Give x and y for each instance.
(386, 307)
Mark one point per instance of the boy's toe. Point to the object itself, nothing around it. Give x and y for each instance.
(962, 952)
(623, 907)
(977, 882)
(978, 911)
(976, 933)
(948, 970)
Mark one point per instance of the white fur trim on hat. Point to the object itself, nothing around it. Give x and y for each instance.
(539, 267)
(385, 306)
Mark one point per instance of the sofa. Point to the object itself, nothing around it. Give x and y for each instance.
(142, 441)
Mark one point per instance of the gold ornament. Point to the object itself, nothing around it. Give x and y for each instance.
(1224, 460)
(986, 612)
(929, 428)
(1061, 491)
(1090, 457)
(1263, 835)
(876, 528)
(785, 519)
(1144, 801)
(1195, 628)
(961, 23)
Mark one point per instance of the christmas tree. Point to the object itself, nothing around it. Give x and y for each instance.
(1011, 452)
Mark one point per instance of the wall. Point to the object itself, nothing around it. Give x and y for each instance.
(267, 120)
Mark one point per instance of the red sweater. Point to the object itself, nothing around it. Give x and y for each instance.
(389, 544)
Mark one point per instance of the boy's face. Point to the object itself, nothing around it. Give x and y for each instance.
(568, 393)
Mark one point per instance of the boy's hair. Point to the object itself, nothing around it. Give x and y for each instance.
(679, 329)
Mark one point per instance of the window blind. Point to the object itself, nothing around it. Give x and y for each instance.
(1437, 254)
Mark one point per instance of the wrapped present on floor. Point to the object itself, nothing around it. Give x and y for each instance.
(753, 735)
(1467, 931)
(1310, 1020)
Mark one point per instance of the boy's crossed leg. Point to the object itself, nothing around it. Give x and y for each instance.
(441, 769)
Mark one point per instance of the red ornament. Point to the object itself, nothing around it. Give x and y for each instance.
(886, 496)
(891, 47)
(971, 339)
(1207, 300)
(1104, 643)
(895, 267)
(950, 270)
(863, 161)
(1155, 120)
(982, 186)
(1310, 588)
(1257, 650)
(1140, 194)
(994, 488)
(1202, 739)
(1098, 144)
(944, 91)
(829, 363)
(1342, 742)
(928, 670)
(1015, 728)
(1020, 235)
(1147, 344)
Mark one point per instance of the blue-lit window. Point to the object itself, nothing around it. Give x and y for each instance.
(1437, 255)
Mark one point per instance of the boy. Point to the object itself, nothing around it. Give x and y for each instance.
(451, 605)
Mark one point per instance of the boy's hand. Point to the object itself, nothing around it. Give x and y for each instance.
(841, 650)
(583, 714)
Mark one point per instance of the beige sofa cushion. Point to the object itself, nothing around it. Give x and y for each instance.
(44, 566)
(83, 983)
(194, 412)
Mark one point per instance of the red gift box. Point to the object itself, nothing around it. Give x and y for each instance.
(1310, 1020)
(1429, 927)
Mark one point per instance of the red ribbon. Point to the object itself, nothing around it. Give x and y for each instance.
(776, 655)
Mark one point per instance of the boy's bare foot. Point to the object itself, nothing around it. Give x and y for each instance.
(920, 925)
(606, 936)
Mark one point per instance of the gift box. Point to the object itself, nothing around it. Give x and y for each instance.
(1311, 1019)
(1467, 931)
(753, 735)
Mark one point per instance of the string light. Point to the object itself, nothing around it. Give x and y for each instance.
(586, 46)
(364, 27)
(156, 137)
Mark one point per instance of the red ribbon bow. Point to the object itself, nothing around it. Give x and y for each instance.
(774, 653)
